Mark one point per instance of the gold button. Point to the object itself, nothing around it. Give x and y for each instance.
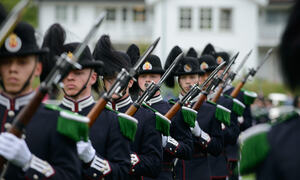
(7, 126)
(95, 175)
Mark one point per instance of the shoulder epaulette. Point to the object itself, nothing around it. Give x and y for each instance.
(73, 125)
(172, 101)
(238, 107)
(53, 107)
(223, 114)
(254, 147)
(286, 116)
(189, 115)
(210, 102)
(249, 97)
(128, 125)
(162, 123)
(110, 109)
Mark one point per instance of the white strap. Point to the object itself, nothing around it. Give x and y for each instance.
(101, 165)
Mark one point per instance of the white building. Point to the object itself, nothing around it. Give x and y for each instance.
(127, 21)
(233, 25)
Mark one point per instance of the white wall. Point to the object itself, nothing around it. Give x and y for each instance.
(120, 32)
(242, 38)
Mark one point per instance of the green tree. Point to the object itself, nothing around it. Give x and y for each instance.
(30, 14)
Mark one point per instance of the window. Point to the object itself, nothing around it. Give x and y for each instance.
(75, 13)
(139, 14)
(226, 19)
(274, 16)
(110, 14)
(124, 14)
(61, 12)
(185, 18)
(206, 18)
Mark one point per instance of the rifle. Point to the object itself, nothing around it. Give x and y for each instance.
(191, 94)
(152, 88)
(204, 93)
(252, 73)
(62, 67)
(220, 79)
(121, 82)
(12, 19)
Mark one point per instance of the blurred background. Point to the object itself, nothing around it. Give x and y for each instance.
(230, 25)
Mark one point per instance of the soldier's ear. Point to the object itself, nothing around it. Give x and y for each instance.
(93, 78)
(130, 83)
(38, 69)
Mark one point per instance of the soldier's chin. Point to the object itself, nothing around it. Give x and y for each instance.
(12, 89)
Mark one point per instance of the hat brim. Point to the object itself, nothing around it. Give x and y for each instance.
(188, 73)
(152, 71)
(25, 53)
(92, 64)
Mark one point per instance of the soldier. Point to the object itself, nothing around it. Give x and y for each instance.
(207, 137)
(244, 119)
(180, 139)
(146, 149)
(112, 160)
(276, 146)
(44, 153)
(230, 131)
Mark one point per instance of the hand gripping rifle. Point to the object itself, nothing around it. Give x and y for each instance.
(12, 19)
(230, 78)
(204, 93)
(61, 69)
(220, 79)
(252, 73)
(120, 83)
(152, 88)
(192, 93)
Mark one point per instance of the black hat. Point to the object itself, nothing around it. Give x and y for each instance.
(208, 49)
(133, 52)
(175, 51)
(289, 48)
(188, 65)
(21, 42)
(151, 65)
(207, 63)
(113, 60)
(192, 53)
(221, 57)
(86, 59)
(2, 13)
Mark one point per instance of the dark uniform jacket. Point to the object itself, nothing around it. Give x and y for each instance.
(218, 164)
(147, 144)
(106, 138)
(282, 161)
(198, 167)
(180, 131)
(43, 141)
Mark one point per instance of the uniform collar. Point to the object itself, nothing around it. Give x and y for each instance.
(17, 102)
(119, 104)
(154, 100)
(77, 106)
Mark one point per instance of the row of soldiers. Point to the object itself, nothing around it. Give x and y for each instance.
(195, 143)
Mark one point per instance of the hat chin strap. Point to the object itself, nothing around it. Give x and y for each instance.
(80, 91)
(26, 84)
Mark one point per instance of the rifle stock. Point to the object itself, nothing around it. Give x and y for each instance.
(132, 109)
(237, 89)
(96, 110)
(171, 113)
(217, 96)
(200, 101)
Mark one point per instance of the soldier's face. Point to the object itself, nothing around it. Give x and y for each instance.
(76, 79)
(16, 70)
(108, 83)
(187, 81)
(146, 79)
